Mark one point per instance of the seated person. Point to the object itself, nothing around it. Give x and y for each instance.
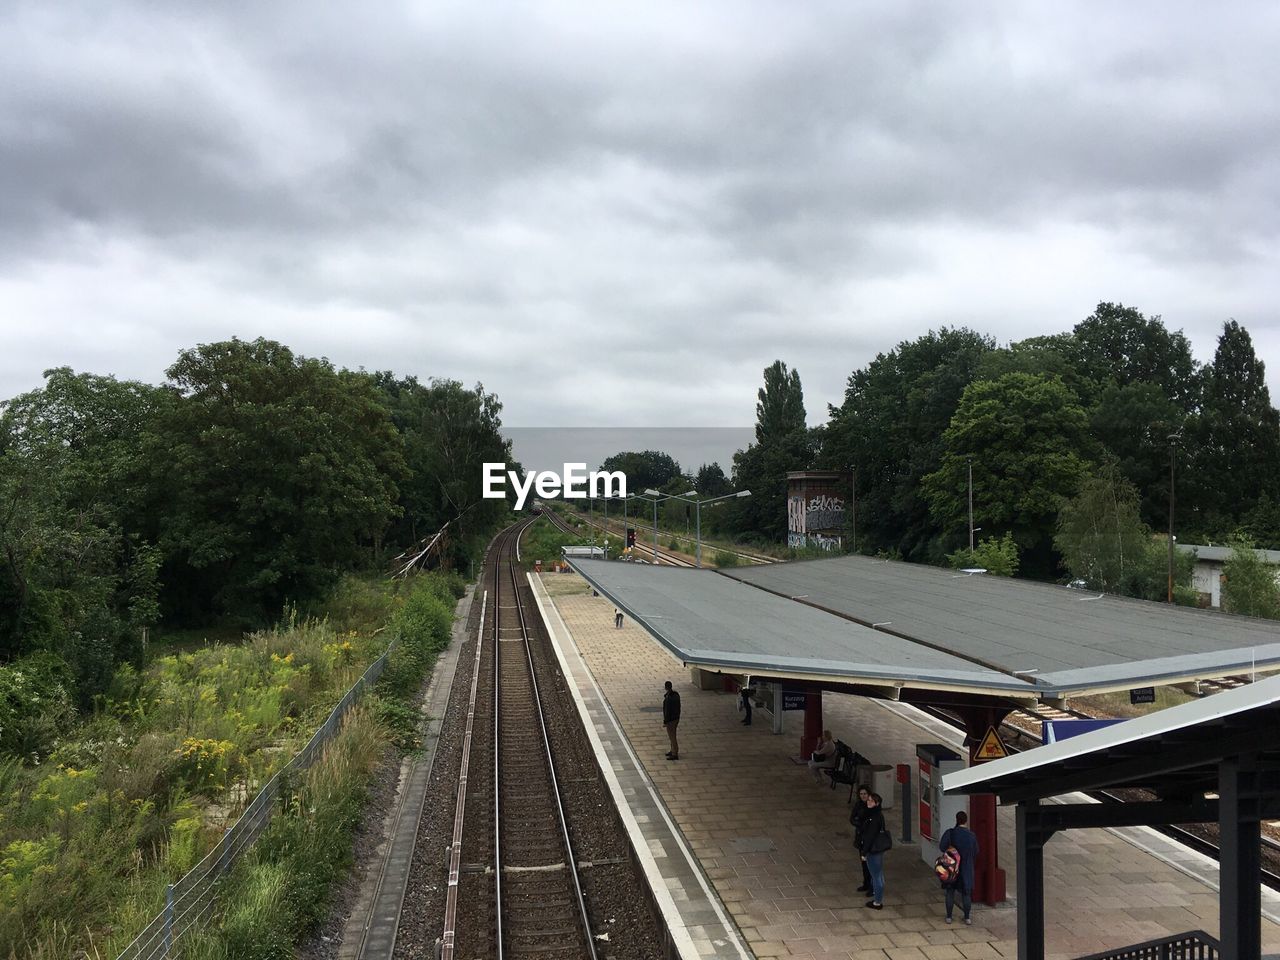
(824, 755)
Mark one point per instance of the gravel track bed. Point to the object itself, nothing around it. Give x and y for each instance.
(422, 916)
(617, 897)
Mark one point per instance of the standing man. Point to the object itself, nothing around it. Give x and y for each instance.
(671, 719)
(965, 843)
(617, 619)
(746, 693)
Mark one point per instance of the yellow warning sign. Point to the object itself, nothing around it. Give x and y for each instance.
(991, 748)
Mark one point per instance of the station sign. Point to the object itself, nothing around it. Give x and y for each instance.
(794, 701)
(1142, 695)
(991, 748)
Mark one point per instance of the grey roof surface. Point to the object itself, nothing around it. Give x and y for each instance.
(1072, 639)
(708, 619)
(1139, 735)
(1223, 554)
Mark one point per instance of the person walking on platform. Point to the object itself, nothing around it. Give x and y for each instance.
(744, 702)
(617, 619)
(858, 819)
(671, 719)
(874, 841)
(965, 843)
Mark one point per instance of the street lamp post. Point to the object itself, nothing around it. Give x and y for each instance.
(1173, 439)
(656, 496)
(970, 459)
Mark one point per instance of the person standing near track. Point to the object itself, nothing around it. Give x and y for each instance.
(671, 719)
(617, 619)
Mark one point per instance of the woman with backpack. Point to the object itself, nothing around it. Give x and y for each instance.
(961, 843)
(874, 841)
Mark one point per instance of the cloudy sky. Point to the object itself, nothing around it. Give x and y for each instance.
(618, 214)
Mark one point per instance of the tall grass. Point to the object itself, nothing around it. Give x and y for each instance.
(90, 837)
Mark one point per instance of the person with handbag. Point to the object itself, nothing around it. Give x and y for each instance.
(876, 841)
(858, 819)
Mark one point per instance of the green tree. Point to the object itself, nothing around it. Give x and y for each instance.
(779, 404)
(282, 471)
(711, 481)
(449, 432)
(1133, 422)
(890, 430)
(1027, 440)
(77, 578)
(1249, 583)
(1238, 436)
(783, 443)
(646, 469)
(1117, 344)
(996, 555)
(1101, 536)
(1262, 523)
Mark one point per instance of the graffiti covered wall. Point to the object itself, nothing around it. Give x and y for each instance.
(816, 509)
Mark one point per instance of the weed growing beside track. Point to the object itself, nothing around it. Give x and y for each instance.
(90, 836)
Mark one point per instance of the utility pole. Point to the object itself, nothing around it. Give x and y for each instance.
(853, 509)
(1173, 437)
(970, 459)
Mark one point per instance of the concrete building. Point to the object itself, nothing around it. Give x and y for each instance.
(1207, 577)
(816, 502)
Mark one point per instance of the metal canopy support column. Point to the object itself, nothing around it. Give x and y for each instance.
(1240, 877)
(1030, 860)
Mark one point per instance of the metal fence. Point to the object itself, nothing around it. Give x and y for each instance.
(189, 902)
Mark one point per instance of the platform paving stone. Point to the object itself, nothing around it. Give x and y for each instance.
(777, 847)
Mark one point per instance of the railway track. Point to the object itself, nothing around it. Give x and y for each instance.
(514, 886)
(642, 554)
(750, 558)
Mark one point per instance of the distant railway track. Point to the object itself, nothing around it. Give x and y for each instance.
(530, 902)
(644, 553)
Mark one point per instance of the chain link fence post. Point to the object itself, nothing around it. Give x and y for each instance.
(168, 918)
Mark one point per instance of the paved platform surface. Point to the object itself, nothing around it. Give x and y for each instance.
(777, 847)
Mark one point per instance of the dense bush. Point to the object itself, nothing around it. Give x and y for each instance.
(92, 831)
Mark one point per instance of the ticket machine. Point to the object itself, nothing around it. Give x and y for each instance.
(937, 811)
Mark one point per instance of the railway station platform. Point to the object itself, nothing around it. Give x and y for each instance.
(773, 849)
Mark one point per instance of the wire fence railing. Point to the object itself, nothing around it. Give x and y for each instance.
(190, 900)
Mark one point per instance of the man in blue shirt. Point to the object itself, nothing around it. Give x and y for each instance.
(966, 844)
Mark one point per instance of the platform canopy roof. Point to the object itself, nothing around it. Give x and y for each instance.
(1066, 641)
(860, 620)
(713, 622)
(1174, 752)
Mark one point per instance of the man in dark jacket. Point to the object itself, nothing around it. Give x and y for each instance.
(966, 844)
(671, 719)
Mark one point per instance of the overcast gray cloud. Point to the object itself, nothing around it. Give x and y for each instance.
(616, 214)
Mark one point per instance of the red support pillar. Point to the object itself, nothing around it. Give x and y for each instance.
(989, 879)
(812, 723)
